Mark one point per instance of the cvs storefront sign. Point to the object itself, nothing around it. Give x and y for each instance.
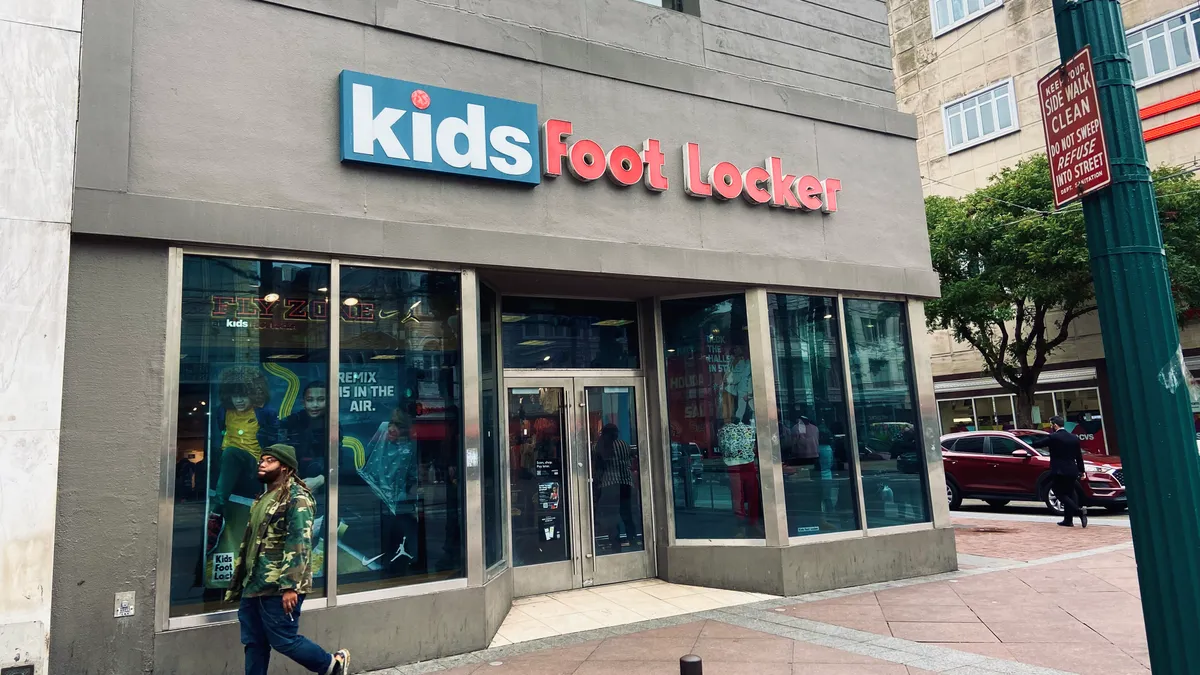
(399, 123)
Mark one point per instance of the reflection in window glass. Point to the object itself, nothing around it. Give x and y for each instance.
(710, 411)
(818, 477)
(537, 420)
(616, 470)
(555, 333)
(885, 413)
(400, 379)
(254, 356)
(493, 489)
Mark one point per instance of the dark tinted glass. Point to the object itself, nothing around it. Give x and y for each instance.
(1004, 446)
(489, 415)
(556, 333)
(710, 411)
(971, 444)
(818, 477)
(540, 481)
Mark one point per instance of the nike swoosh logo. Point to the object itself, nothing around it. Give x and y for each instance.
(387, 314)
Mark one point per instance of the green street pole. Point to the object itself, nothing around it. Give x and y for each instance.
(1148, 379)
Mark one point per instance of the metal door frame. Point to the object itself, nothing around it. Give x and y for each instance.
(582, 570)
(635, 564)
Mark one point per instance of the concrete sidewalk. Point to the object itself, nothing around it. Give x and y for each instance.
(1049, 600)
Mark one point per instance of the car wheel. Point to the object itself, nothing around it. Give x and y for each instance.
(953, 495)
(997, 503)
(1116, 508)
(1051, 500)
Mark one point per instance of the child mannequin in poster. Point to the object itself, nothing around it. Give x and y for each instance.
(242, 427)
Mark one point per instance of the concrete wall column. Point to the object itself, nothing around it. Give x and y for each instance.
(39, 83)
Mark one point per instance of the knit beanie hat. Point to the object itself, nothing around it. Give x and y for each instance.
(286, 455)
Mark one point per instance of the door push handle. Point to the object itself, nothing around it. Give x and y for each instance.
(581, 465)
(588, 556)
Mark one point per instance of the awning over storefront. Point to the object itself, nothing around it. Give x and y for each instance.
(1047, 377)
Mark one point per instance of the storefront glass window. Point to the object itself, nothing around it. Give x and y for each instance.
(1043, 410)
(982, 413)
(957, 415)
(253, 361)
(710, 412)
(818, 477)
(556, 333)
(493, 491)
(400, 493)
(1080, 409)
(885, 413)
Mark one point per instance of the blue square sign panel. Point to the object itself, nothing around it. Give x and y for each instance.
(416, 126)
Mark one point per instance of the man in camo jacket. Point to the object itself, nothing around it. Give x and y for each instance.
(274, 571)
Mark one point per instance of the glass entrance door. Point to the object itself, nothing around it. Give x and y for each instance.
(580, 484)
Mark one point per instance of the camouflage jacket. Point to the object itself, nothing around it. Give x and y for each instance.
(280, 550)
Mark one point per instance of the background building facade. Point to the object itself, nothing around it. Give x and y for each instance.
(968, 71)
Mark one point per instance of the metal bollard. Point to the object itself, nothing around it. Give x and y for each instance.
(691, 665)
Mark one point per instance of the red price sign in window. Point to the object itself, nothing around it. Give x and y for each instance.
(1074, 133)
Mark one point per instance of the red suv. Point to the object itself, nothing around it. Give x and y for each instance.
(1001, 466)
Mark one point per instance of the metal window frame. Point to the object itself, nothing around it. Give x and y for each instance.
(967, 144)
(472, 526)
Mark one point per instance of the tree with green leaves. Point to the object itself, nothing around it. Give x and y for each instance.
(1014, 271)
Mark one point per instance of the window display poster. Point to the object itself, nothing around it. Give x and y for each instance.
(367, 396)
(548, 496)
(549, 476)
(250, 404)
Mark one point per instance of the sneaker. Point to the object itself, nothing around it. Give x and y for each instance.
(341, 662)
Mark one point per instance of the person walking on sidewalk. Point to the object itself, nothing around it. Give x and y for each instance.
(1066, 466)
(274, 571)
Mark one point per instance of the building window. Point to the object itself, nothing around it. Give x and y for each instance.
(886, 418)
(980, 117)
(400, 378)
(687, 6)
(814, 442)
(253, 371)
(1164, 48)
(556, 333)
(950, 14)
(710, 414)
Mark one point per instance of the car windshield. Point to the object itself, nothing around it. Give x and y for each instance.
(1028, 435)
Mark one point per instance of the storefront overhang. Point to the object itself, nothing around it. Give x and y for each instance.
(946, 387)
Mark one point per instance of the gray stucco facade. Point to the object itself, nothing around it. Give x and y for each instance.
(213, 125)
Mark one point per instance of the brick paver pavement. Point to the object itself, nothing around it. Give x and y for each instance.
(1014, 540)
(1082, 615)
(1075, 609)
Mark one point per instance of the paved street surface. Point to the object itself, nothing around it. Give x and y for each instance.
(1031, 598)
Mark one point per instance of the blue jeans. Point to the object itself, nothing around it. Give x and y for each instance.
(265, 626)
